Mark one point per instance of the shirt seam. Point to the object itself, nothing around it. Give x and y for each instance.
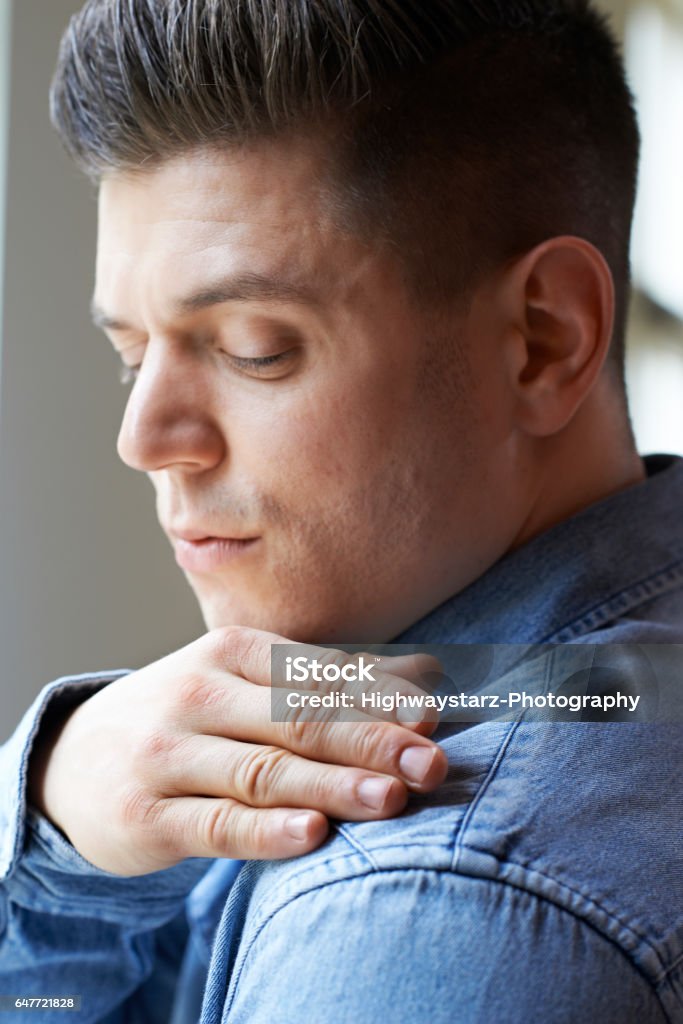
(604, 611)
(357, 846)
(462, 825)
(668, 973)
(463, 845)
(537, 897)
(588, 901)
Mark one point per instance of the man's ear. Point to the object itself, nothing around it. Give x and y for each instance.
(557, 304)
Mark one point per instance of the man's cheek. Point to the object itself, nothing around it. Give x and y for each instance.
(315, 451)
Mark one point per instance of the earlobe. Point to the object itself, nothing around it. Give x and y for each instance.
(560, 297)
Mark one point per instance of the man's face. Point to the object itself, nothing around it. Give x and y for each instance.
(290, 399)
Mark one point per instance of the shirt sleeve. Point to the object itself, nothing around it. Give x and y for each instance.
(431, 947)
(61, 694)
(69, 928)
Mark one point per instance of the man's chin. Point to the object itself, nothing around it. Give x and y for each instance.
(218, 615)
(297, 628)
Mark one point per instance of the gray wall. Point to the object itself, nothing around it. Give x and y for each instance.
(87, 580)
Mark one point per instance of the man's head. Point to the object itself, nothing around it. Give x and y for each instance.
(416, 208)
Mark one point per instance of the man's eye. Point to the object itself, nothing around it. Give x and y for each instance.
(261, 365)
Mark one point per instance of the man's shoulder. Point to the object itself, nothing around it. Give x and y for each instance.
(584, 817)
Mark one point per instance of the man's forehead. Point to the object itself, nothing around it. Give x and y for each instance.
(151, 267)
(253, 224)
(209, 187)
(161, 219)
(228, 222)
(236, 288)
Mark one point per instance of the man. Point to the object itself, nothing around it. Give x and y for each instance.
(367, 266)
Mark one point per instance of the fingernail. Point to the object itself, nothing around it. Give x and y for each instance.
(298, 825)
(373, 792)
(409, 716)
(415, 763)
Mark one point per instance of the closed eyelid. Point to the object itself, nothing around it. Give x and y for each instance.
(128, 372)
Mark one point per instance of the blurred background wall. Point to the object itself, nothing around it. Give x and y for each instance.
(652, 34)
(87, 580)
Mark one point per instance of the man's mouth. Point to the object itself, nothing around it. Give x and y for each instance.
(197, 552)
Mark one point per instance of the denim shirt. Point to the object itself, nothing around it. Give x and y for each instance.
(542, 883)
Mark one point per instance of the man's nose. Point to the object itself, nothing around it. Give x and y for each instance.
(168, 422)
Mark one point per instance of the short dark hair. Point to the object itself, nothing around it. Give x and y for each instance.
(465, 131)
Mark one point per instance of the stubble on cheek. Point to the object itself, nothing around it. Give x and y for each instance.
(341, 564)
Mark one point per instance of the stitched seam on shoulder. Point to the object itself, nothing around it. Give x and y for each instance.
(630, 598)
(273, 913)
(462, 844)
(588, 901)
(302, 872)
(358, 846)
(539, 897)
(670, 969)
(474, 803)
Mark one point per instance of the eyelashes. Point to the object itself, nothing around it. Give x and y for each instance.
(257, 366)
(258, 360)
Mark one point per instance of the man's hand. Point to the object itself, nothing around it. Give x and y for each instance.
(182, 759)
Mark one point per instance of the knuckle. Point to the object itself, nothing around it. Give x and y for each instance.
(196, 692)
(297, 728)
(226, 640)
(215, 826)
(337, 659)
(234, 646)
(309, 734)
(158, 761)
(255, 832)
(156, 747)
(259, 772)
(294, 718)
(229, 826)
(331, 656)
(377, 742)
(138, 808)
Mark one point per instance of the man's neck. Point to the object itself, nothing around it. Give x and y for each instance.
(593, 459)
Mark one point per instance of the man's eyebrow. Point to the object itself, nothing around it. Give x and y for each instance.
(241, 288)
(247, 288)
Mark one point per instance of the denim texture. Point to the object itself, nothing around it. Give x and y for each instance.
(543, 882)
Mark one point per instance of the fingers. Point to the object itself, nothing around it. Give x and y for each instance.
(247, 653)
(202, 827)
(267, 776)
(243, 651)
(379, 687)
(244, 712)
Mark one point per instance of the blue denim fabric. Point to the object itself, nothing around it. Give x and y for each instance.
(542, 883)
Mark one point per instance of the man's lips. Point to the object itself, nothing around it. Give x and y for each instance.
(201, 535)
(197, 552)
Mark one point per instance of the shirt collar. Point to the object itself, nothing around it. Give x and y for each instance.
(543, 591)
